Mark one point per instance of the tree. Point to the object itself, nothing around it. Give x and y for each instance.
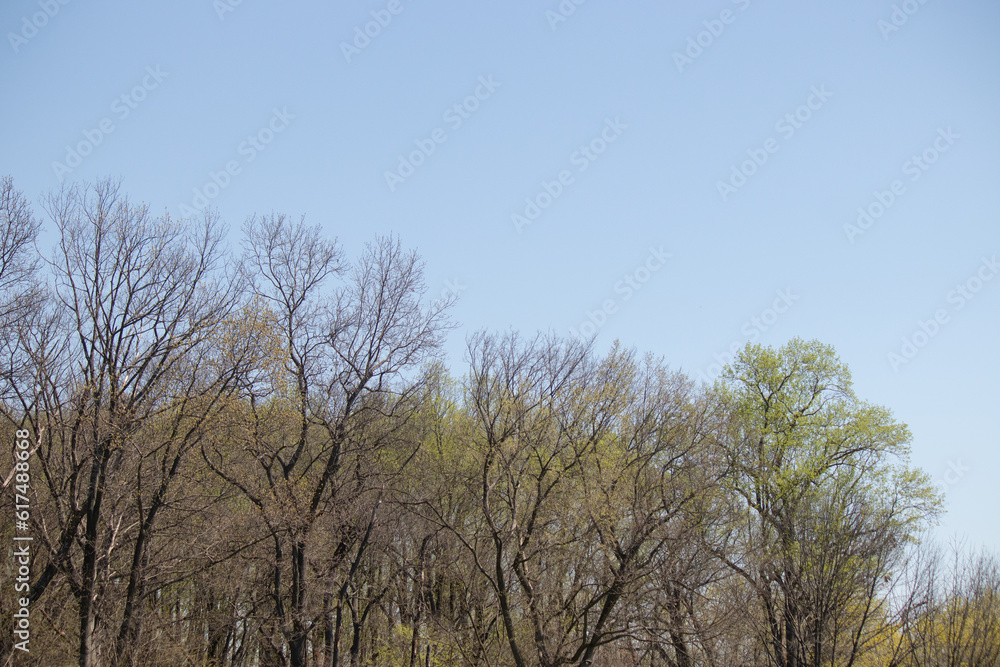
(825, 500)
(21, 306)
(583, 471)
(21, 293)
(140, 297)
(950, 611)
(321, 434)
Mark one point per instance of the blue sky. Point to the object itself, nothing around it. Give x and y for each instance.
(697, 168)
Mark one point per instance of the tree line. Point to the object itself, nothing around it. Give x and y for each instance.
(256, 457)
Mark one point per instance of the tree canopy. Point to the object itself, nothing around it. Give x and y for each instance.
(259, 458)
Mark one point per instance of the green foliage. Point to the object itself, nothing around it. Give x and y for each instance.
(827, 497)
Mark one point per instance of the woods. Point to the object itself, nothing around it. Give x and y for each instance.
(255, 456)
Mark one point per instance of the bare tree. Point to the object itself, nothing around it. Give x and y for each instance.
(21, 294)
(583, 473)
(949, 610)
(343, 391)
(140, 297)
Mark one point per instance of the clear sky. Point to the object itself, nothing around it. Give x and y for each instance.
(684, 177)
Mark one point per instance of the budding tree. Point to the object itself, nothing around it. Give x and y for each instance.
(825, 499)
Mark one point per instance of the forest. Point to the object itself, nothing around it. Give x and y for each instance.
(244, 449)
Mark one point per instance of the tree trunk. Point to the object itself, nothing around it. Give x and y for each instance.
(327, 632)
(338, 624)
(297, 642)
(88, 573)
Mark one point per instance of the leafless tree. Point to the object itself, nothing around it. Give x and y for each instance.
(140, 297)
(21, 292)
(347, 379)
(949, 610)
(584, 469)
